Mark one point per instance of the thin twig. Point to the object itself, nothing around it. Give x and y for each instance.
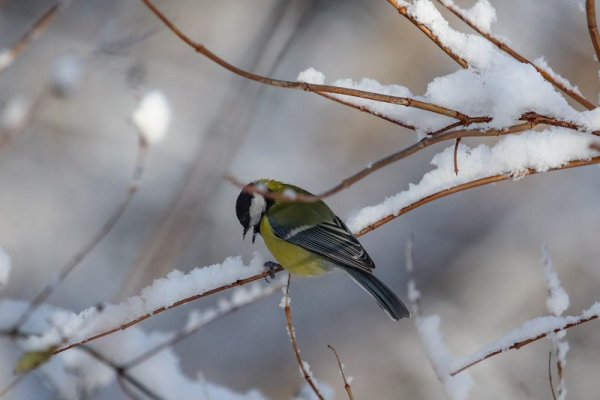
(508, 50)
(590, 12)
(8, 56)
(288, 317)
(420, 145)
(110, 223)
(518, 345)
(341, 367)
(121, 373)
(550, 375)
(403, 10)
(309, 87)
(456, 143)
(11, 385)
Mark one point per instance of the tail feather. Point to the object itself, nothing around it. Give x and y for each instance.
(386, 299)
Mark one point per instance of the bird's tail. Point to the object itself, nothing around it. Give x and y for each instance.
(384, 296)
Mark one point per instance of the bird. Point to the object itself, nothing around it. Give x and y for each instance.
(307, 239)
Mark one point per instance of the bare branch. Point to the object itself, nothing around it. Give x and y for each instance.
(288, 317)
(309, 87)
(110, 223)
(347, 386)
(590, 12)
(550, 375)
(8, 56)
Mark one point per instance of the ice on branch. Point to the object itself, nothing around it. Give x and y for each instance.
(5, 267)
(456, 387)
(14, 114)
(164, 292)
(482, 14)
(67, 73)
(512, 155)
(311, 75)
(152, 117)
(531, 329)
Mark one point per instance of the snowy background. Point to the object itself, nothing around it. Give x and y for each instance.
(478, 254)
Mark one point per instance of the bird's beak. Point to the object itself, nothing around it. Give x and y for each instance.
(244, 233)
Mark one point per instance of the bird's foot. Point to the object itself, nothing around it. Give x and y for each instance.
(271, 267)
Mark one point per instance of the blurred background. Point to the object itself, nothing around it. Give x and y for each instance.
(477, 253)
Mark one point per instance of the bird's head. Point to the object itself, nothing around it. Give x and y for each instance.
(251, 206)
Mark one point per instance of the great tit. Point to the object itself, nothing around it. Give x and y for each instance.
(308, 239)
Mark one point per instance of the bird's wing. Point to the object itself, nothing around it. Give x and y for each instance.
(329, 238)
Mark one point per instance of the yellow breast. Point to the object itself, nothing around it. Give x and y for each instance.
(293, 258)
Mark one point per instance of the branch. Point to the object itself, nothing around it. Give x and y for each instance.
(66, 269)
(466, 186)
(590, 12)
(288, 317)
(511, 52)
(347, 386)
(8, 56)
(216, 315)
(500, 346)
(309, 87)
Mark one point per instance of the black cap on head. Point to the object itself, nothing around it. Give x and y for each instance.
(242, 210)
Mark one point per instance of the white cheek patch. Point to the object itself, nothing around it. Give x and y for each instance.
(258, 206)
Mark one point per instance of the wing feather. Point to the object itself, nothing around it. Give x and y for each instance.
(330, 239)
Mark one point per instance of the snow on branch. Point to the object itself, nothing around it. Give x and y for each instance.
(528, 332)
(512, 156)
(173, 290)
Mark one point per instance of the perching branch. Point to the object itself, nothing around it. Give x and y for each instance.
(309, 87)
(511, 52)
(288, 317)
(110, 223)
(188, 332)
(590, 12)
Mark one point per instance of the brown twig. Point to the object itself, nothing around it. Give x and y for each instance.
(366, 110)
(240, 282)
(466, 186)
(10, 55)
(188, 332)
(309, 87)
(110, 223)
(550, 375)
(347, 386)
(522, 343)
(508, 50)
(429, 140)
(11, 385)
(288, 317)
(403, 10)
(456, 143)
(590, 12)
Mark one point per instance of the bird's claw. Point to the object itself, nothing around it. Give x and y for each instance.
(271, 266)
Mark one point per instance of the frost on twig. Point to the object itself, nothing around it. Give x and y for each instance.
(428, 328)
(557, 303)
